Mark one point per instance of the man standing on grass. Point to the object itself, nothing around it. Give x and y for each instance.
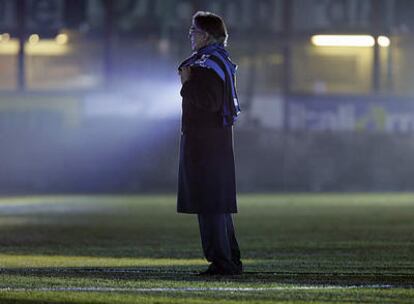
(207, 185)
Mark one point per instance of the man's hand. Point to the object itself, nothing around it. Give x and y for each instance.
(185, 74)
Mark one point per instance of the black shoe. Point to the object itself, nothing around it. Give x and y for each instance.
(215, 270)
(234, 268)
(211, 270)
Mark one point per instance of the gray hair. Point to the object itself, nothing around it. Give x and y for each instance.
(213, 25)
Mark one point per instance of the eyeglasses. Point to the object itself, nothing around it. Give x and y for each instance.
(194, 30)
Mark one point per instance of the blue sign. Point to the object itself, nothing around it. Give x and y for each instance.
(341, 113)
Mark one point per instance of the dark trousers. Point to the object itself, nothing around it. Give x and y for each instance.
(219, 242)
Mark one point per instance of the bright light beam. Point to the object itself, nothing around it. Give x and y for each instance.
(348, 40)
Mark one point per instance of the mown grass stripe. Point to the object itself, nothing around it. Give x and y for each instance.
(190, 289)
(18, 270)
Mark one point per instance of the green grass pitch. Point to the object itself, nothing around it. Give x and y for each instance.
(297, 248)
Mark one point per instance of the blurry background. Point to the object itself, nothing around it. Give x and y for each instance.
(89, 94)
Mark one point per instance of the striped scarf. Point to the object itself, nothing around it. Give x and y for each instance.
(214, 56)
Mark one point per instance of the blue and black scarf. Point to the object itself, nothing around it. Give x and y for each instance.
(215, 57)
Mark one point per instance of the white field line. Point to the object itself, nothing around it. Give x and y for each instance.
(190, 289)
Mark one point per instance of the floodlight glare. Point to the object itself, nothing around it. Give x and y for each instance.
(5, 37)
(383, 41)
(343, 40)
(62, 39)
(34, 38)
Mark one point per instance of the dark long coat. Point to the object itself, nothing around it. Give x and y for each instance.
(206, 178)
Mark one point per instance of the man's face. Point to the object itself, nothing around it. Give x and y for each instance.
(198, 37)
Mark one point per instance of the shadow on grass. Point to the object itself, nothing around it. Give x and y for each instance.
(190, 273)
